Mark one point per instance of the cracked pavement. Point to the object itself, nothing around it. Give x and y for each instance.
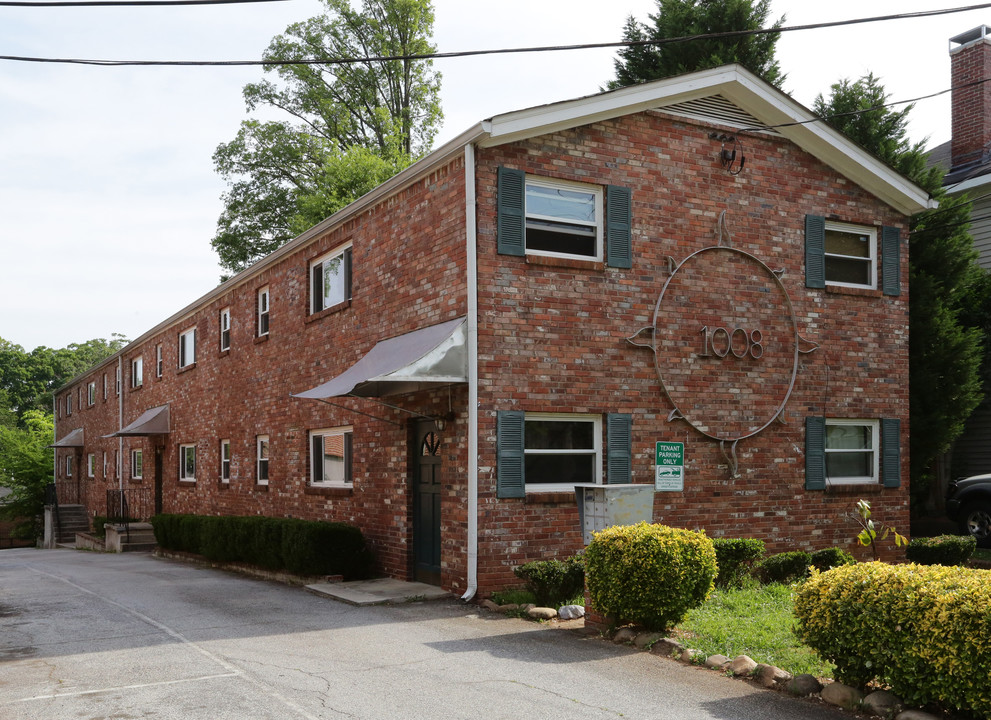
(97, 636)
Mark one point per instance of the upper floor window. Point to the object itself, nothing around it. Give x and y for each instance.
(225, 461)
(187, 463)
(557, 218)
(330, 456)
(262, 469)
(225, 329)
(841, 255)
(263, 308)
(91, 393)
(851, 255)
(330, 280)
(137, 372)
(117, 381)
(104, 386)
(187, 348)
(68, 404)
(158, 360)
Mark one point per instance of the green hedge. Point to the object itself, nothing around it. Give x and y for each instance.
(784, 567)
(651, 575)
(942, 550)
(297, 546)
(735, 556)
(923, 630)
(553, 582)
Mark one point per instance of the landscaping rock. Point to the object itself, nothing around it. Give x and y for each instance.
(542, 613)
(883, 704)
(624, 635)
(646, 639)
(770, 676)
(571, 612)
(692, 656)
(915, 715)
(742, 665)
(509, 607)
(489, 605)
(842, 695)
(667, 647)
(716, 661)
(802, 685)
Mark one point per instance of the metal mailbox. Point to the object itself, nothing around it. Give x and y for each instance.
(602, 506)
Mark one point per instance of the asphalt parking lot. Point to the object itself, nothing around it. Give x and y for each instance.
(91, 635)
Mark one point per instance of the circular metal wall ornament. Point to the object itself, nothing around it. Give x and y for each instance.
(726, 344)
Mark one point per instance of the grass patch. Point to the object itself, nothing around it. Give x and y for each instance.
(512, 597)
(753, 621)
(982, 554)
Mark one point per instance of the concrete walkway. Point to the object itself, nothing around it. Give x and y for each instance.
(378, 591)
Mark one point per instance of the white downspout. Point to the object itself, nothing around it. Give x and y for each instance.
(472, 328)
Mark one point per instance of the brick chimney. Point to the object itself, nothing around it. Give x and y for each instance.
(970, 61)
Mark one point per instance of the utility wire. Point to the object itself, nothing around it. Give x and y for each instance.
(471, 53)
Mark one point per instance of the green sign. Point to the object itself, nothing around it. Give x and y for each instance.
(669, 470)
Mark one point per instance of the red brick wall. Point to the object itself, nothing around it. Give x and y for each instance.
(970, 106)
(552, 336)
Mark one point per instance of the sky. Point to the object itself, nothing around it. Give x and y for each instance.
(108, 194)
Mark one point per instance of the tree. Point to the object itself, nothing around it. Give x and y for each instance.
(26, 466)
(351, 124)
(27, 379)
(681, 18)
(945, 353)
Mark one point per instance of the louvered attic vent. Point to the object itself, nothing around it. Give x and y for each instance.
(716, 109)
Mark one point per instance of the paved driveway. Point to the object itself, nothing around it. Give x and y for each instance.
(89, 635)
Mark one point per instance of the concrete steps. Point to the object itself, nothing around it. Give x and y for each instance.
(72, 519)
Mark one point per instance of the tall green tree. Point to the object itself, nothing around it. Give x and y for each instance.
(352, 120)
(945, 283)
(26, 465)
(682, 18)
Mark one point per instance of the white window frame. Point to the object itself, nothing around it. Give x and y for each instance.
(868, 230)
(137, 464)
(105, 386)
(68, 466)
(187, 348)
(158, 360)
(225, 461)
(263, 451)
(91, 465)
(595, 450)
(345, 432)
(321, 262)
(597, 226)
(117, 380)
(91, 393)
(68, 404)
(264, 306)
(225, 329)
(137, 372)
(185, 450)
(104, 464)
(875, 427)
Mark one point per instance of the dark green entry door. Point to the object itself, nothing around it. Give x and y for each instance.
(426, 504)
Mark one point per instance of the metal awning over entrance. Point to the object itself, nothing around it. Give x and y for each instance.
(150, 422)
(435, 355)
(74, 439)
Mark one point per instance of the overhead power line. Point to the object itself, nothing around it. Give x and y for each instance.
(463, 53)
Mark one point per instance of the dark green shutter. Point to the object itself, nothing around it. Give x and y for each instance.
(815, 251)
(619, 227)
(316, 287)
(890, 452)
(619, 448)
(347, 274)
(890, 261)
(815, 453)
(510, 479)
(511, 210)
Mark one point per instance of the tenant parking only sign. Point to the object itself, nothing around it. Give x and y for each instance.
(669, 468)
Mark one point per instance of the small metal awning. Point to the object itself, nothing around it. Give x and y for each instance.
(150, 422)
(74, 439)
(434, 355)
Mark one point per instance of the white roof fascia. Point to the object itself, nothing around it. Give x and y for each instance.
(745, 90)
(968, 184)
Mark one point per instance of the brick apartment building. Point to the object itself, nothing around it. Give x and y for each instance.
(537, 304)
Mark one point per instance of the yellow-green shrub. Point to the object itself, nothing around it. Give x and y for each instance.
(923, 630)
(649, 574)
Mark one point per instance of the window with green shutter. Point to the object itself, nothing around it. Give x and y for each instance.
(846, 451)
(891, 261)
(619, 448)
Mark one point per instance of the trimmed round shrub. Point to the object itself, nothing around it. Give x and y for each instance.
(941, 550)
(553, 582)
(828, 558)
(923, 630)
(651, 575)
(734, 557)
(784, 567)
